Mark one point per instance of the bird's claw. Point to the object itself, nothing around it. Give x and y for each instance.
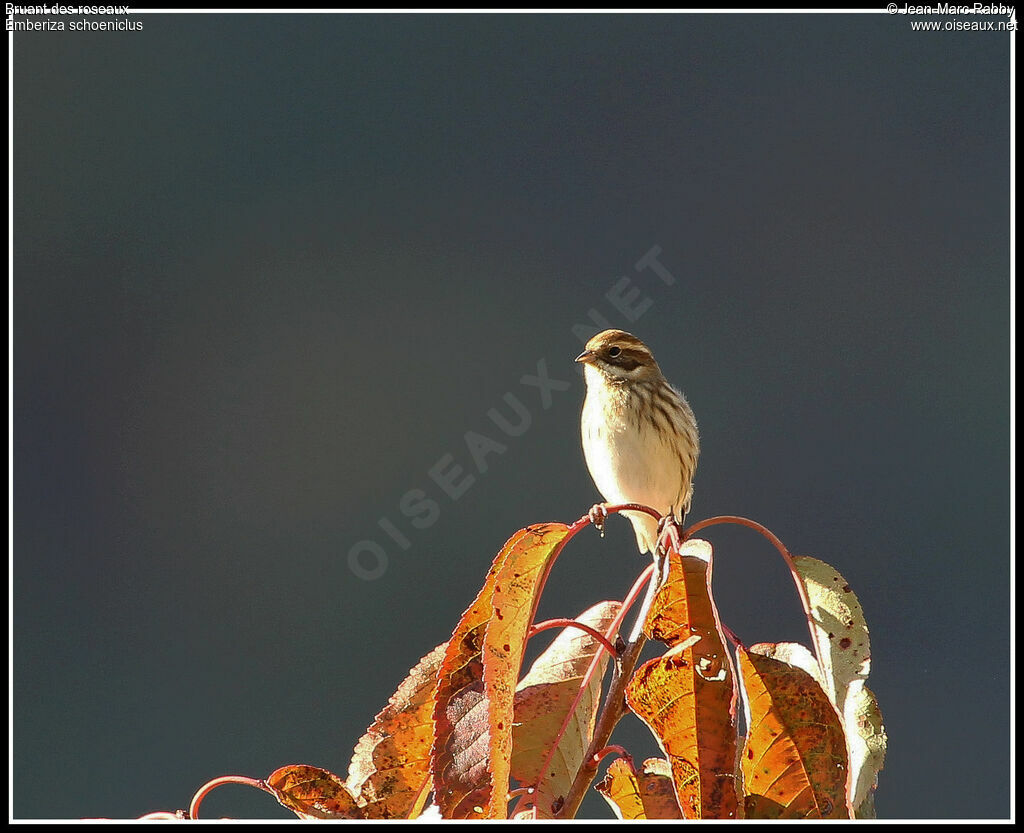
(598, 514)
(668, 529)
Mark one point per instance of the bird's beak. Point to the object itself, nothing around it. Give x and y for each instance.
(585, 357)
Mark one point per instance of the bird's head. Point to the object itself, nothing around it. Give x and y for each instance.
(619, 356)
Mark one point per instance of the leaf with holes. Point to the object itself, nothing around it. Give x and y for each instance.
(313, 793)
(542, 703)
(648, 794)
(459, 752)
(476, 683)
(390, 769)
(687, 696)
(794, 759)
(516, 589)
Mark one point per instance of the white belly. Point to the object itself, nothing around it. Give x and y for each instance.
(629, 465)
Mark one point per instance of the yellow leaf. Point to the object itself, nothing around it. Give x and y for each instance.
(648, 794)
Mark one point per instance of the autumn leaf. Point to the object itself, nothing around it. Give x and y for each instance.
(542, 702)
(687, 696)
(515, 599)
(459, 751)
(840, 631)
(866, 738)
(794, 760)
(844, 655)
(473, 712)
(648, 794)
(313, 793)
(390, 769)
(792, 653)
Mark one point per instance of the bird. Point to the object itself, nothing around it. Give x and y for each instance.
(640, 437)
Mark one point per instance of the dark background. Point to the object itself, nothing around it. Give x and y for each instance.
(268, 270)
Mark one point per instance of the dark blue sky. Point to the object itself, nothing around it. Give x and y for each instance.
(270, 270)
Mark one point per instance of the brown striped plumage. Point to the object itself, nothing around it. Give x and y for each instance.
(639, 435)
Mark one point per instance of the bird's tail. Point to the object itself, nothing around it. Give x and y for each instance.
(646, 529)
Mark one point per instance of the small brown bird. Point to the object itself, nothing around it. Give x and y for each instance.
(639, 435)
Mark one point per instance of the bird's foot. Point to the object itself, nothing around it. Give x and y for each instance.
(669, 531)
(598, 514)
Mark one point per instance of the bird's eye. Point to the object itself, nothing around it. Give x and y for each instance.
(615, 351)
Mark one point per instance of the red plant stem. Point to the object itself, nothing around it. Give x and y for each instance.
(731, 635)
(210, 786)
(613, 629)
(800, 589)
(771, 536)
(614, 747)
(582, 523)
(572, 623)
(615, 703)
(624, 507)
(576, 527)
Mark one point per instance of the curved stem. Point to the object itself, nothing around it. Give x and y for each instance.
(625, 507)
(210, 786)
(614, 747)
(573, 529)
(613, 629)
(572, 623)
(771, 536)
(636, 643)
(615, 703)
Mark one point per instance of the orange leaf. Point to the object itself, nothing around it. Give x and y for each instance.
(543, 699)
(687, 697)
(473, 726)
(514, 602)
(390, 769)
(313, 793)
(649, 794)
(794, 758)
(458, 757)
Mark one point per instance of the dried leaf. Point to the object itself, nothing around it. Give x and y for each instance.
(840, 631)
(542, 702)
(459, 752)
(794, 759)
(688, 697)
(649, 794)
(469, 761)
(514, 602)
(390, 769)
(313, 793)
